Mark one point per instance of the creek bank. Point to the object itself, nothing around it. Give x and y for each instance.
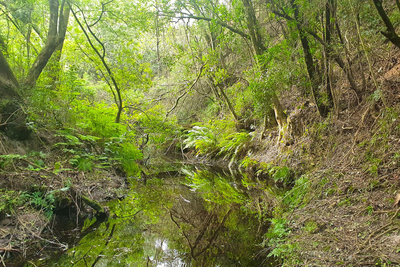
(340, 209)
(44, 197)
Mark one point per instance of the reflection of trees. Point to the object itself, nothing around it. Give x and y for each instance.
(114, 243)
(207, 232)
(106, 244)
(167, 224)
(212, 224)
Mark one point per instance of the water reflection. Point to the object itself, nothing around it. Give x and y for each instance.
(205, 218)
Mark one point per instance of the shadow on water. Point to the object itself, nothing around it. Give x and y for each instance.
(202, 217)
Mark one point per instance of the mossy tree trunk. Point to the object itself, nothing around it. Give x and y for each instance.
(12, 118)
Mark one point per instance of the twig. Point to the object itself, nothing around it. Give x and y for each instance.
(356, 134)
(9, 117)
(43, 239)
(382, 211)
(83, 257)
(5, 249)
(187, 91)
(380, 229)
(2, 260)
(184, 234)
(37, 166)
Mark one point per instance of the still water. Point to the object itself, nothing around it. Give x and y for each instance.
(198, 217)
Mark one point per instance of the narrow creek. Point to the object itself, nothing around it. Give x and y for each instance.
(195, 217)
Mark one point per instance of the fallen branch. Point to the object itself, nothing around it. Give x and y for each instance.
(7, 249)
(93, 204)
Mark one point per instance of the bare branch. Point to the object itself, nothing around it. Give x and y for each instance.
(187, 91)
(103, 5)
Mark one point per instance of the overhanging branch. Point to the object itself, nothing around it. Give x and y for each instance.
(219, 22)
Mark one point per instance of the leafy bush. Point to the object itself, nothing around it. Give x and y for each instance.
(277, 70)
(296, 196)
(248, 162)
(41, 201)
(121, 149)
(5, 160)
(10, 200)
(282, 174)
(98, 119)
(275, 238)
(127, 154)
(51, 102)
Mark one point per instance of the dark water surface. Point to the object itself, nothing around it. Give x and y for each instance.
(198, 218)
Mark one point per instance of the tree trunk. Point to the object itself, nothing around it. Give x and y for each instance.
(8, 82)
(228, 103)
(314, 78)
(390, 32)
(280, 116)
(12, 120)
(329, 12)
(310, 65)
(58, 51)
(55, 36)
(12, 117)
(213, 42)
(254, 28)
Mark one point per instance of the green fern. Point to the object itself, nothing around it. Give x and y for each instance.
(202, 139)
(11, 157)
(6, 160)
(70, 140)
(234, 145)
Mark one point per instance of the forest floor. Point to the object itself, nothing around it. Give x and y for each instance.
(343, 208)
